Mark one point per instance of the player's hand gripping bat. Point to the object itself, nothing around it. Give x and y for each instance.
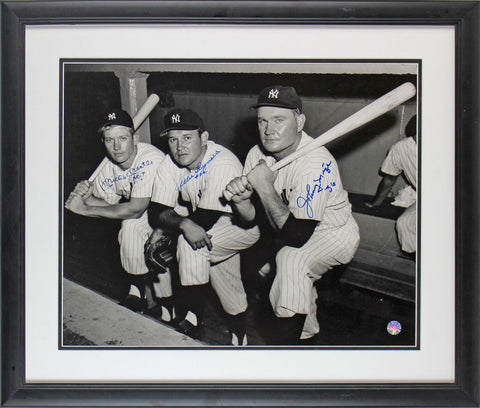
(372, 111)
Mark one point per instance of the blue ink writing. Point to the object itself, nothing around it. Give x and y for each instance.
(135, 173)
(305, 202)
(199, 171)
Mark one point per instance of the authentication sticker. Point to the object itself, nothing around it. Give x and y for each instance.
(394, 328)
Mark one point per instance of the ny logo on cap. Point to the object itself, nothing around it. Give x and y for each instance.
(273, 93)
(112, 116)
(176, 118)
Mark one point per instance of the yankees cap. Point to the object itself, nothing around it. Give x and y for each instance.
(183, 119)
(117, 117)
(280, 96)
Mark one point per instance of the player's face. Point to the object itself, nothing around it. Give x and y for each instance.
(279, 130)
(121, 145)
(187, 147)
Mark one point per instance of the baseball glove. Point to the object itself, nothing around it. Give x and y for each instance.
(158, 253)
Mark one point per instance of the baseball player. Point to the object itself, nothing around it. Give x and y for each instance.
(402, 158)
(306, 206)
(129, 174)
(195, 173)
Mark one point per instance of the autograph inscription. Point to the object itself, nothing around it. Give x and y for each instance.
(135, 173)
(305, 202)
(199, 171)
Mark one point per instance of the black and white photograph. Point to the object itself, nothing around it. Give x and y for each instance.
(242, 204)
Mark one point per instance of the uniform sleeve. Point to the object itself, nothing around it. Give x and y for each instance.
(392, 164)
(251, 161)
(104, 186)
(165, 185)
(253, 157)
(144, 176)
(217, 178)
(315, 180)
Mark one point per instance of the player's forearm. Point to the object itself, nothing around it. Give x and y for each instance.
(276, 210)
(96, 202)
(169, 220)
(206, 218)
(384, 188)
(244, 212)
(120, 211)
(164, 217)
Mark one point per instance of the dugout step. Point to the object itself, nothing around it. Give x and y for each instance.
(105, 323)
(391, 276)
(394, 265)
(378, 235)
(379, 264)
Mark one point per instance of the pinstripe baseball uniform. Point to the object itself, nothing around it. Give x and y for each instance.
(312, 189)
(402, 157)
(113, 183)
(203, 188)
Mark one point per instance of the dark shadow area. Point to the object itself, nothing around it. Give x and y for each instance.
(87, 97)
(355, 139)
(92, 255)
(317, 85)
(385, 210)
(247, 132)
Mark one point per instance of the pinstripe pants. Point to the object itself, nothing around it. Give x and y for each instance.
(220, 265)
(407, 229)
(132, 237)
(292, 290)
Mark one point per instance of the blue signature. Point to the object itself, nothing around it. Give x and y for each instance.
(135, 173)
(306, 201)
(199, 171)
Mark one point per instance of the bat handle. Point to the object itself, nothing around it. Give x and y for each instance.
(145, 110)
(98, 169)
(227, 195)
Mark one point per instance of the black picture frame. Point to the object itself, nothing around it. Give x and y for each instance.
(463, 15)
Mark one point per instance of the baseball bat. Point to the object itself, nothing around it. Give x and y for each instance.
(372, 111)
(145, 110)
(137, 119)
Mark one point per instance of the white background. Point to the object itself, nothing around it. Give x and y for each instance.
(434, 362)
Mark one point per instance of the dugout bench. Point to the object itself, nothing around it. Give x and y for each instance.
(379, 264)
